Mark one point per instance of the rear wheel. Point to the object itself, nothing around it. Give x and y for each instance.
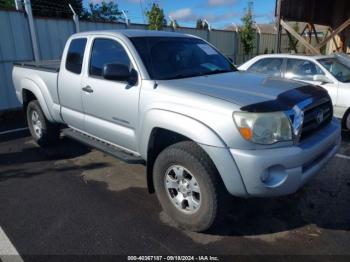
(43, 132)
(189, 187)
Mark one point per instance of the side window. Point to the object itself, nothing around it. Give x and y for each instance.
(269, 66)
(302, 69)
(106, 51)
(75, 55)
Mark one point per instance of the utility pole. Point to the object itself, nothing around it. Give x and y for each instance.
(235, 43)
(258, 39)
(28, 9)
(279, 29)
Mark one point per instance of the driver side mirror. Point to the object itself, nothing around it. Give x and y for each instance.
(119, 72)
(322, 78)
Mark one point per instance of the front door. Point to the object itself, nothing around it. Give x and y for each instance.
(111, 107)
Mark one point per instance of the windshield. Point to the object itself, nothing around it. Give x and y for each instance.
(340, 71)
(180, 57)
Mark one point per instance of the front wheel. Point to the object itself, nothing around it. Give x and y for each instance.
(43, 132)
(188, 186)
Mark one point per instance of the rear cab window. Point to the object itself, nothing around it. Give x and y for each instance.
(75, 55)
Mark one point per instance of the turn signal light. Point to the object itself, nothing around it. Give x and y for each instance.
(246, 132)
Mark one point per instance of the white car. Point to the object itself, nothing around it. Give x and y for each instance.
(331, 72)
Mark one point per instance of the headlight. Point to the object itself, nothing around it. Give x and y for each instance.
(263, 128)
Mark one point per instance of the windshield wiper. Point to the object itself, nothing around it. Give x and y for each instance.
(218, 71)
(181, 75)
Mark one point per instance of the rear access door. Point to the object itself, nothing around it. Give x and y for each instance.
(69, 83)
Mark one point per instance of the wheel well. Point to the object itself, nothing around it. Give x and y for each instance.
(159, 140)
(27, 96)
(347, 112)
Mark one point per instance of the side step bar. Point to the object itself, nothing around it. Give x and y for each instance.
(102, 146)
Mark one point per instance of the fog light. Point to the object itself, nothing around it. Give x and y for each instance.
(274, 176)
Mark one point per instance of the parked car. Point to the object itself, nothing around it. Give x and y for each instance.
(175, 103)
(331, 72)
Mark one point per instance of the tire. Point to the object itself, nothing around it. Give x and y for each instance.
(43, 132)
(346, 121)
(208, 205)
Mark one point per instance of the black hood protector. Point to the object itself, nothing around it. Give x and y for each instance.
(287, 100)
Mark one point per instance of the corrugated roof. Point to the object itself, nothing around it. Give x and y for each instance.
(323, 12)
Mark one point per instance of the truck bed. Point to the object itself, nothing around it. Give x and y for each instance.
(46, 65)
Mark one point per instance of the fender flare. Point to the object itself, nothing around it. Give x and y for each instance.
(179, 123)
(30, 85)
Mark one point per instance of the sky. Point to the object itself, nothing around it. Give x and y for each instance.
(219, 13)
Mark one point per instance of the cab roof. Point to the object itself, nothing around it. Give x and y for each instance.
(134, 33)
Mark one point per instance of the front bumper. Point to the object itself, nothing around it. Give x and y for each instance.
(282, 171)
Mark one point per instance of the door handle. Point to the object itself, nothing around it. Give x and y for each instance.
(88, 89)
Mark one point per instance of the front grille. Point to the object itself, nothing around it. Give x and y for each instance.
(312, 122)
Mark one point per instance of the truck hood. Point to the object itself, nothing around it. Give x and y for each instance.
(243, 88)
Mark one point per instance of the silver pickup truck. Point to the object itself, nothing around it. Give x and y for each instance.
(175, 103)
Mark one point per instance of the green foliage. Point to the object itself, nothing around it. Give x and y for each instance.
(49, 8)
(248, 31)
(104, 11)
(156, 18)
(199, 24)
(266, 51)
(10, 4)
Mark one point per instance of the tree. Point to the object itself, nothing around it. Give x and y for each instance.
(49, 8)
(248, 31)
(7, 4)
(201, 25)
(156, 18)
(104, 11)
